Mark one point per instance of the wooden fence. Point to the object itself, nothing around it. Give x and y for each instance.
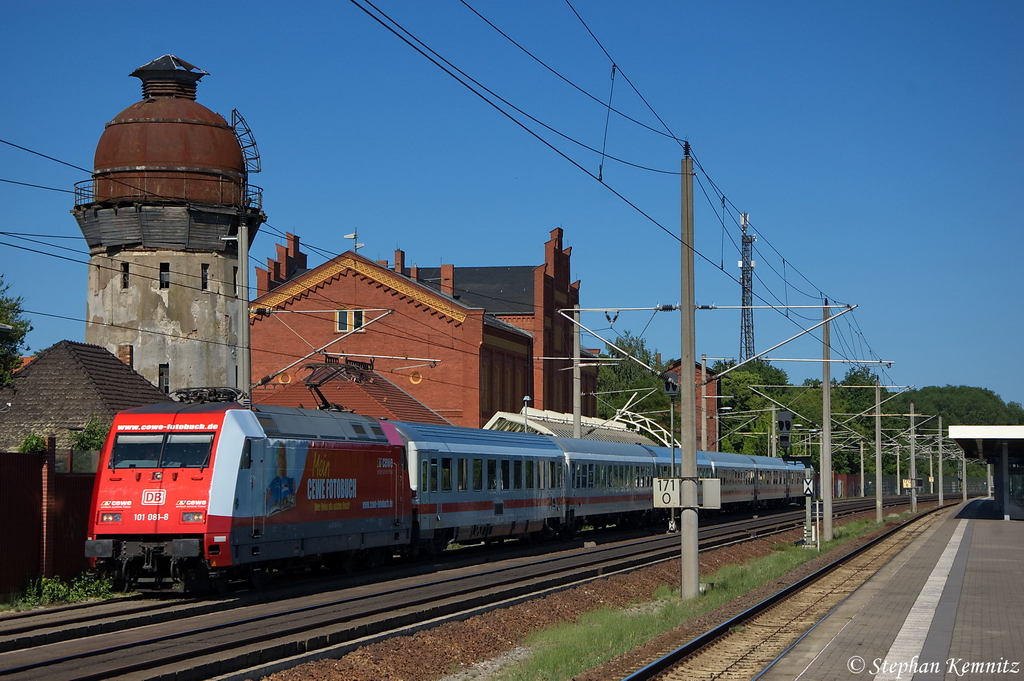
(44, 519)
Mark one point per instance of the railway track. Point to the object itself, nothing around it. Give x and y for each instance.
(136, 639)
(746, 645)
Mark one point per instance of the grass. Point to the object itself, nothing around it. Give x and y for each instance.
(54, 591)
(567, 650)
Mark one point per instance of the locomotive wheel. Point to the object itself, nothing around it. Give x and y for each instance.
(258, 577)
(219, 582)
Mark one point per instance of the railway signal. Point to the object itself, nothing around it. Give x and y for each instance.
(785, 424)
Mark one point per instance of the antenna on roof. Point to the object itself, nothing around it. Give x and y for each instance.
(355, 240)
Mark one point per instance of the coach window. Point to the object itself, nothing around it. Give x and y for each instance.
(506, 479)
(446, 475)
(424, 475)
(463, 475)
(433, 475)
(492, 474)
(245, 462)
(478, 474)
(517, 468)
(530, 476)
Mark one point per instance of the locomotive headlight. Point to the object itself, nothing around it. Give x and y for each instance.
(110, 517)
(192, 517)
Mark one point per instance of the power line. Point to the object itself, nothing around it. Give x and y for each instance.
(37, 186)
(568, 81)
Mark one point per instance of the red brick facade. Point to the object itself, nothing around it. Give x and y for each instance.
(427, 334)
(710, 412)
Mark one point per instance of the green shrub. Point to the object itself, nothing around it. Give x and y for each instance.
(53, 590)
(32, 443)
(90, 437)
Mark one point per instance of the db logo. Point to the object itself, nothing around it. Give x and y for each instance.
(153, 497)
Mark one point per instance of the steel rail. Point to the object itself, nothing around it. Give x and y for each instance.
(669, 660)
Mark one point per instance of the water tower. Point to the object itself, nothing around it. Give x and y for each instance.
(162, 213)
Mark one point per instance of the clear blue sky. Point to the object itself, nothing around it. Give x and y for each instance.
(877, 147)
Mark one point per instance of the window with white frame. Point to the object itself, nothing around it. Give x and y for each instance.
(348, 320)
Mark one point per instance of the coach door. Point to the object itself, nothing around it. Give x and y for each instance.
(398, 484)
(256, 455)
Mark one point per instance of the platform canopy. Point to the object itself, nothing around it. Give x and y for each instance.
(560, 425)
(986, 442)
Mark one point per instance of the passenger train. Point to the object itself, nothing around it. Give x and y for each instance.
(193, 495)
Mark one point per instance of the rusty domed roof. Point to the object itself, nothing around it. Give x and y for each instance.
(168, 133)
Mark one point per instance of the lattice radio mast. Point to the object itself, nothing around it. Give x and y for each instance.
(747, 281)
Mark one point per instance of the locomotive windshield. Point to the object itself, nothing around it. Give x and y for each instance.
(162, 450)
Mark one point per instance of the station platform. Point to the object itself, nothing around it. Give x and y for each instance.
(949, 606)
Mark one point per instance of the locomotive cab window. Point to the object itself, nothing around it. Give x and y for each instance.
(172, 450)
(191, 450)
(136, 451)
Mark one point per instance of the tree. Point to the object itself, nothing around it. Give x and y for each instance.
(747, 424)
(12, 341)
(617, 383)
(92, 436)
(963, 405)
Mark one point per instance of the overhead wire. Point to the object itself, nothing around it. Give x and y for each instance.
(520, 111)
(395, 28)
(37, 186)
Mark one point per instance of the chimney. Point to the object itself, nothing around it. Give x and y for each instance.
(448, 279)
(126, 353)
(399, 261)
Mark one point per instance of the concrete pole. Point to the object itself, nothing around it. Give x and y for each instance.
(577, 390)
(899, 478)
(825, 459)
(862, 468)
(931, 472)
(1004, 468)
(703, 402)
(913, 463)
(772, 442)
(244, 351)
(689, 561)
(963, 474)
(878, 452)
(940, 461)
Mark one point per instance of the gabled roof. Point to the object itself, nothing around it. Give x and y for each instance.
(64, 387)
(499, 290)
(364, 392)
(349, 261)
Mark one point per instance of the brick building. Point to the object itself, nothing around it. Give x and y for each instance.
(710, 412)
(465, 341)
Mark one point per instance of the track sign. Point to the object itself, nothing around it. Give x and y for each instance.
(785, 423)
(808, 487)
(668, 493)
